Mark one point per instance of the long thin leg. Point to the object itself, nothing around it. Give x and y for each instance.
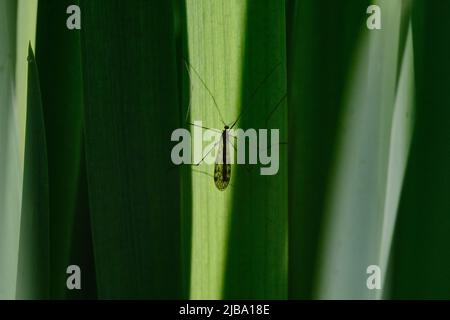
(233, 144)
(214, 145)
(188, 67)
(197, 164)
(275, 109)
(196, 125)
(234, 147)
(271, 113)
(254, 93)
(269, 116)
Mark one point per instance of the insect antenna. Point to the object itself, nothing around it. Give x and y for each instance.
(255, 91)
(189, 67)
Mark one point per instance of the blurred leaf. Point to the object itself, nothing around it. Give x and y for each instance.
(26, 33)
(17, 30)
(420, 263)
(100, 191)
(361, 213)
(131, 108)
(33, 275)
(400, 141)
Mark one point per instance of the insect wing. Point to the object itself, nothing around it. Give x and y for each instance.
(222, 168)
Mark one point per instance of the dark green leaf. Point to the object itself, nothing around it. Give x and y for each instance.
(33, 276)
(58, 55)
(131, 108)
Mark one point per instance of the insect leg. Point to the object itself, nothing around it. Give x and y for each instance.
(255, 92)
(274, 109)
(188, 68)
(196, 125)
(234, 146)
(212, 148)
(236, 152)
(189, 106)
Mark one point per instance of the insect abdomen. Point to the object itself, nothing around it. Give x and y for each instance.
(222, 169)
(222, 175)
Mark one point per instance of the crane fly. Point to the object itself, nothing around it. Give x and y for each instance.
(222, 166)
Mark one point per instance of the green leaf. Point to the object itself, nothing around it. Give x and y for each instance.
(420, 263)
(131, 108)
(257, 254)
(58, 55)
(33, 275)
(26, 33)
(239, 243)
(320, 51)
(214, 43)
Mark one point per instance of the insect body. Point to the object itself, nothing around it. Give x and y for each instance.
(222, 167)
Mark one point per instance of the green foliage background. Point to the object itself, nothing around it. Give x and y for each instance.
(86, 118)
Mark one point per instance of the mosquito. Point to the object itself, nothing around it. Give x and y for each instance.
(222, 166)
